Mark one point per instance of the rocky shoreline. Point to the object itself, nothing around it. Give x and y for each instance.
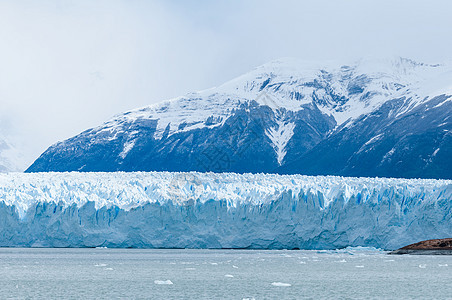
(428, 247)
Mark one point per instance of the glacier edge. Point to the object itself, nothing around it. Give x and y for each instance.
(220, 210)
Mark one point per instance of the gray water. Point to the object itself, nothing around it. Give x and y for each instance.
(220, 274)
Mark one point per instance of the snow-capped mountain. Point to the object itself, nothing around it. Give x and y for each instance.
(227, 210)
(374, 117)
(10, 158)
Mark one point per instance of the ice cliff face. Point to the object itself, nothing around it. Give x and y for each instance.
(379, 117)
(208, 210)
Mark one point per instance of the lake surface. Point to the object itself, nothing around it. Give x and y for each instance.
(220, 274)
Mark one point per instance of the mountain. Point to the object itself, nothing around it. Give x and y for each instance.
(373, 117)
(10, 158)
(220, 210)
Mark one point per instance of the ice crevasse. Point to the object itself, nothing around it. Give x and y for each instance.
(220, 210)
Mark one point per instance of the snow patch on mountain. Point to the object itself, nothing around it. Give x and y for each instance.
(368, 145)
(280, 135)
(127, 147)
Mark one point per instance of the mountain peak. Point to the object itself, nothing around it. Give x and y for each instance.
(342, 90)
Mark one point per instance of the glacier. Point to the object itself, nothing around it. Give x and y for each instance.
(220, 210)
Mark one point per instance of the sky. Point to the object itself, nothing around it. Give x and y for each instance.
(66, 66)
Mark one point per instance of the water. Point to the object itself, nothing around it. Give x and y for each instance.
(220, 274)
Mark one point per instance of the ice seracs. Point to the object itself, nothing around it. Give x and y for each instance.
(213, 210)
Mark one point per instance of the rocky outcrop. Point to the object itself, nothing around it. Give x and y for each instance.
(428, 247)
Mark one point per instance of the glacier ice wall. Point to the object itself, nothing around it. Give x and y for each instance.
(212, 210)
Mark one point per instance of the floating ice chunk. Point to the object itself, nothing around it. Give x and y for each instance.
(422, 266)
(109, 269)
(190, 269)
(359, 266)
(249, 298)
(229, 276)
(214, 264)
(442, 265)
(235, 267)
(168, 282)
(341, 261)
(281, 284)
(302, 262)
(100, 265)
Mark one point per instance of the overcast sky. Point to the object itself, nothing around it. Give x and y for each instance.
(66, 66)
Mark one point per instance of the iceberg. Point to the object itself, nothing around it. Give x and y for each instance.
(220, 210)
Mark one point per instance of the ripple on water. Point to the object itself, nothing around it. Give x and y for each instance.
(100, 265)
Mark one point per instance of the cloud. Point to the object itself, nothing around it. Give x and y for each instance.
(66, 66)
